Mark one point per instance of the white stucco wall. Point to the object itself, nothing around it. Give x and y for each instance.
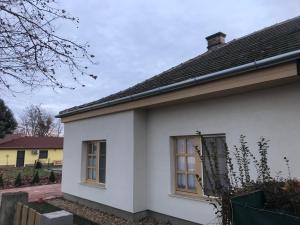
(117, 130)
(273, 113)
(140, 159)
(138, 147)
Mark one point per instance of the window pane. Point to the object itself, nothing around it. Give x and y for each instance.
(191, 182)
(94, 161)
(181, 183)
(190, 146)
(89, 147)
(89, 173)
(180, 145)
(191, 163)
(102, 148)
(102, 162)
(94, 148)
(89, 161)
(181, 163)
(94, 174)
(102, 175)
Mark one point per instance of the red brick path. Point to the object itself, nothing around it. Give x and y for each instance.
(39, 192)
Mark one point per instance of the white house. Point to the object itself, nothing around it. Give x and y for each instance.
(132, 154)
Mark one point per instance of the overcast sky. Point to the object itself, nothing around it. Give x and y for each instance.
(136, 39)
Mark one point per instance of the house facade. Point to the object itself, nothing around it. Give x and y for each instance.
(133, 153)
(20, 151)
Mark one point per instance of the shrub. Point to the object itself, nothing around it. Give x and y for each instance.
(36, 178)
(18, 181)
(281, 193)
(38, 165)
(52, 177)
(1, 181)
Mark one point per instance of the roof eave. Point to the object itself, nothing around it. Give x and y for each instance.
(267, 62)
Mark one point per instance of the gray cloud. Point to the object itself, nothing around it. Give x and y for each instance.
(134, 40)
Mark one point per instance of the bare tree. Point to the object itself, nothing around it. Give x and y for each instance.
(36, 121)
(58, 128)
(31, 49)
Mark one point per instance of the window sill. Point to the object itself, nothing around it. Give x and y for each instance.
(193, 198)
(94, 185)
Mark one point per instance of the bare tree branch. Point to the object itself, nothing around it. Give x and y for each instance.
(31, 50)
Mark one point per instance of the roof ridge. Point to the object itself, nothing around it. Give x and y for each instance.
(239, 51)
(263, 29)
(234, 40)
(208, 52)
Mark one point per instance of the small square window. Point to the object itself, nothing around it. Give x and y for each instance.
(43, 154)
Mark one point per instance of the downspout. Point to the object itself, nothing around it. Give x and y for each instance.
(294, 55)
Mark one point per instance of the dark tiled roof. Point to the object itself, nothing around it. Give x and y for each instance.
(31, 143)
(275, 40)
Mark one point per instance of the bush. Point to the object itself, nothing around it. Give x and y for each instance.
(52, 177)
(1, 181)
(38, 165)
(280, 193)
(284, 196)
(18, 181)
(36, 178)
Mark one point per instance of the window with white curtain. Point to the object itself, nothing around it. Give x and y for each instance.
(187, 164)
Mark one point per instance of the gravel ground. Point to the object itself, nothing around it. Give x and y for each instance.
(97, 216)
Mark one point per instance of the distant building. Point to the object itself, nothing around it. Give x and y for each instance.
(19, 151)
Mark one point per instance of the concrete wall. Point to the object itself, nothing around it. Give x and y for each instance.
(117, 130)
(273, 113)
(8, 157)
(8, 203)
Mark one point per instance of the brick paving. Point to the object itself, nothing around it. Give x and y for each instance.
(36, 193)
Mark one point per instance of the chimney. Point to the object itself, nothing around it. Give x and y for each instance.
(216, 40)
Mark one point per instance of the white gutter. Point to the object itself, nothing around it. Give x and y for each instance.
(193, 81)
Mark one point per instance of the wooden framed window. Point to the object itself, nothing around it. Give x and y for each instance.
(96, 161)
(187, 164)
